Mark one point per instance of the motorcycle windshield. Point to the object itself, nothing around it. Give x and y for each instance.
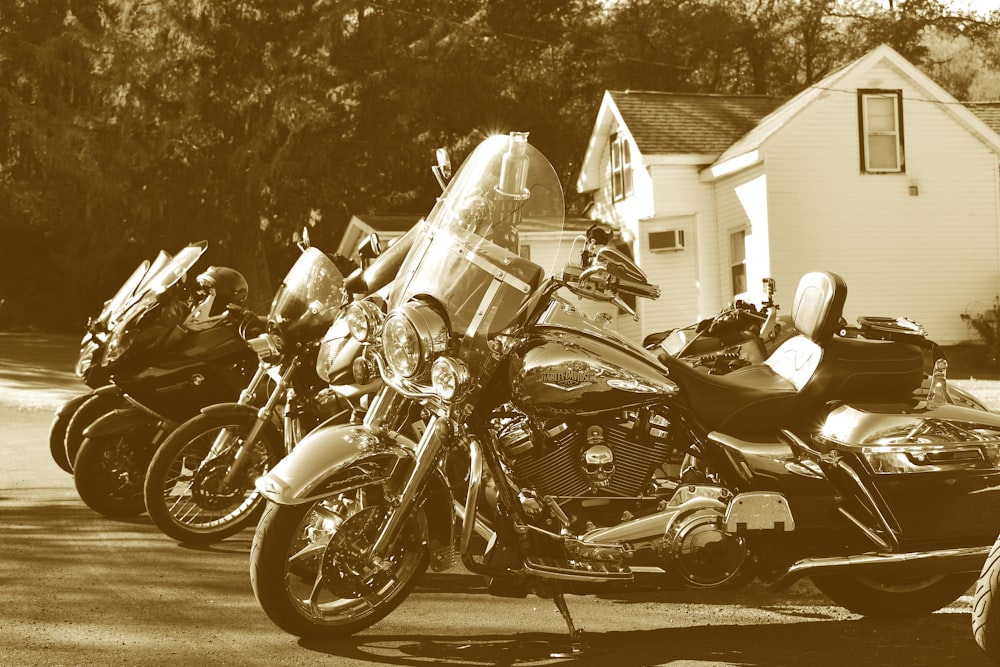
(115, 305)
(467, 256)
(157, 281)
(305, 305)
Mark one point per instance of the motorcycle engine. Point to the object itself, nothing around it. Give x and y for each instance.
(612, 471)
(620, 457)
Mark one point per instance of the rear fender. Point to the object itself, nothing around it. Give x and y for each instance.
(117, 421)
(334, 459)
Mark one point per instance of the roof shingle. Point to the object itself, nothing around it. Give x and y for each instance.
(669, 123)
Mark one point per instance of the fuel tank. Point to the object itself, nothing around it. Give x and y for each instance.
(567, 365)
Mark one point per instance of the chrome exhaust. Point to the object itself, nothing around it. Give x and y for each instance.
(943, 561)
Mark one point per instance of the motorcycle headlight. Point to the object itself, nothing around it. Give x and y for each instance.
(411, 336)
(449, 377)
(364, 319)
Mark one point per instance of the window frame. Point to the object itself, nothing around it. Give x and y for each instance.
(865, 135)
(737, 261)
(622, 185)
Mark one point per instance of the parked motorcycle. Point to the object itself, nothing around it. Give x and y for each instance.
(589, 463)
(744, 334)
(175, 349)
(199, 487)
(73, 416)
(739, 335)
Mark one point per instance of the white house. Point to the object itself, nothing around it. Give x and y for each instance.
(875, 173)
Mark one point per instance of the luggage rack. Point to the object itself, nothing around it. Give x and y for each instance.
(901, 329)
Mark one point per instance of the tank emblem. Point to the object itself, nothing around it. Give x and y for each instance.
(567, 380)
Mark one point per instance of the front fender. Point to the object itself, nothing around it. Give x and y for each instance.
(225, 410)
(117, 421)
(334, 459)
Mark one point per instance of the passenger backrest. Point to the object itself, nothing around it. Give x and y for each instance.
(816, 314)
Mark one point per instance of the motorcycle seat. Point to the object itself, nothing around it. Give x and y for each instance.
(781, 392)
(805, 373)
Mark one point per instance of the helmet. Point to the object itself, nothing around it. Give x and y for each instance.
(217, 287)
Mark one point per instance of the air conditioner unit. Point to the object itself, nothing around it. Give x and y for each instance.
(671, 239)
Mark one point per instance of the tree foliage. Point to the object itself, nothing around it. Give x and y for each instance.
(127, 126)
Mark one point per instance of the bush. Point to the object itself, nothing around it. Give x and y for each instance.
(987, 325)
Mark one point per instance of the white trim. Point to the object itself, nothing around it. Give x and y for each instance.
(735, 164)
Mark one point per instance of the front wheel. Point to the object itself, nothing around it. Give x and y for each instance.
(985, 609)
(310, 571)
(892, 596)
(187, 495)
(110, 468)
(86, 414)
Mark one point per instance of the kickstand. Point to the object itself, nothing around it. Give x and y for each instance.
(577, 647)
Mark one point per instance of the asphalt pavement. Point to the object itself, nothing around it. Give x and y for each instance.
(82, 589)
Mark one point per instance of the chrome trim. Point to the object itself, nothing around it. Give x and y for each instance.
(489, 267)
(968, 559)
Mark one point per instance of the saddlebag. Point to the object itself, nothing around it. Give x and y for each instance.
(934, 470)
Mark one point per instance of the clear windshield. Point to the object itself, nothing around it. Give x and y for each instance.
(305, 305)
(468, 255)
(156, 282)
(114, 305)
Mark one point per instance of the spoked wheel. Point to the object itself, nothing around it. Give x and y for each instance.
(110, 468)
(187, 493)
(310, 570)
(894, 595)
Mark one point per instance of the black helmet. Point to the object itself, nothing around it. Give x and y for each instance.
(225, 285)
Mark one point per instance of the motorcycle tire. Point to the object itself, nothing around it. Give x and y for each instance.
(110, 468)
(181, 489)
(293, 542)
(986, 606)
(894, 596)
(89, 411)
(57, 431)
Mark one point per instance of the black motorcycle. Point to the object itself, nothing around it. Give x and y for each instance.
(199, 487)
(589, 463)
(175, 349)
(73, 416)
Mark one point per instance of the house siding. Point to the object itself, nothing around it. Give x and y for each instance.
(683, 202)
(929, 257)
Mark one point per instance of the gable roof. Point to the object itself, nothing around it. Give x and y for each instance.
(777, 119)
(665, 123)
(721, 128)
(988, 112)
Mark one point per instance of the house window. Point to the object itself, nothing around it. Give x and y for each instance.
(738, 261)
(880, 119)
(621, 167)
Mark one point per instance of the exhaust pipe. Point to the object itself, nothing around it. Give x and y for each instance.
(943, 561)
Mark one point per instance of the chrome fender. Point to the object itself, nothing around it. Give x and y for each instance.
(334, 459)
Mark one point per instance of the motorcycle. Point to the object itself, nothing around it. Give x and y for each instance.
(588, 463)
(743, 334)
(739, 335)
(73, 416)
(176, 348)
(199, 487)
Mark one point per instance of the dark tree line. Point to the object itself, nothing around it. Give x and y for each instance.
(127, 126)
